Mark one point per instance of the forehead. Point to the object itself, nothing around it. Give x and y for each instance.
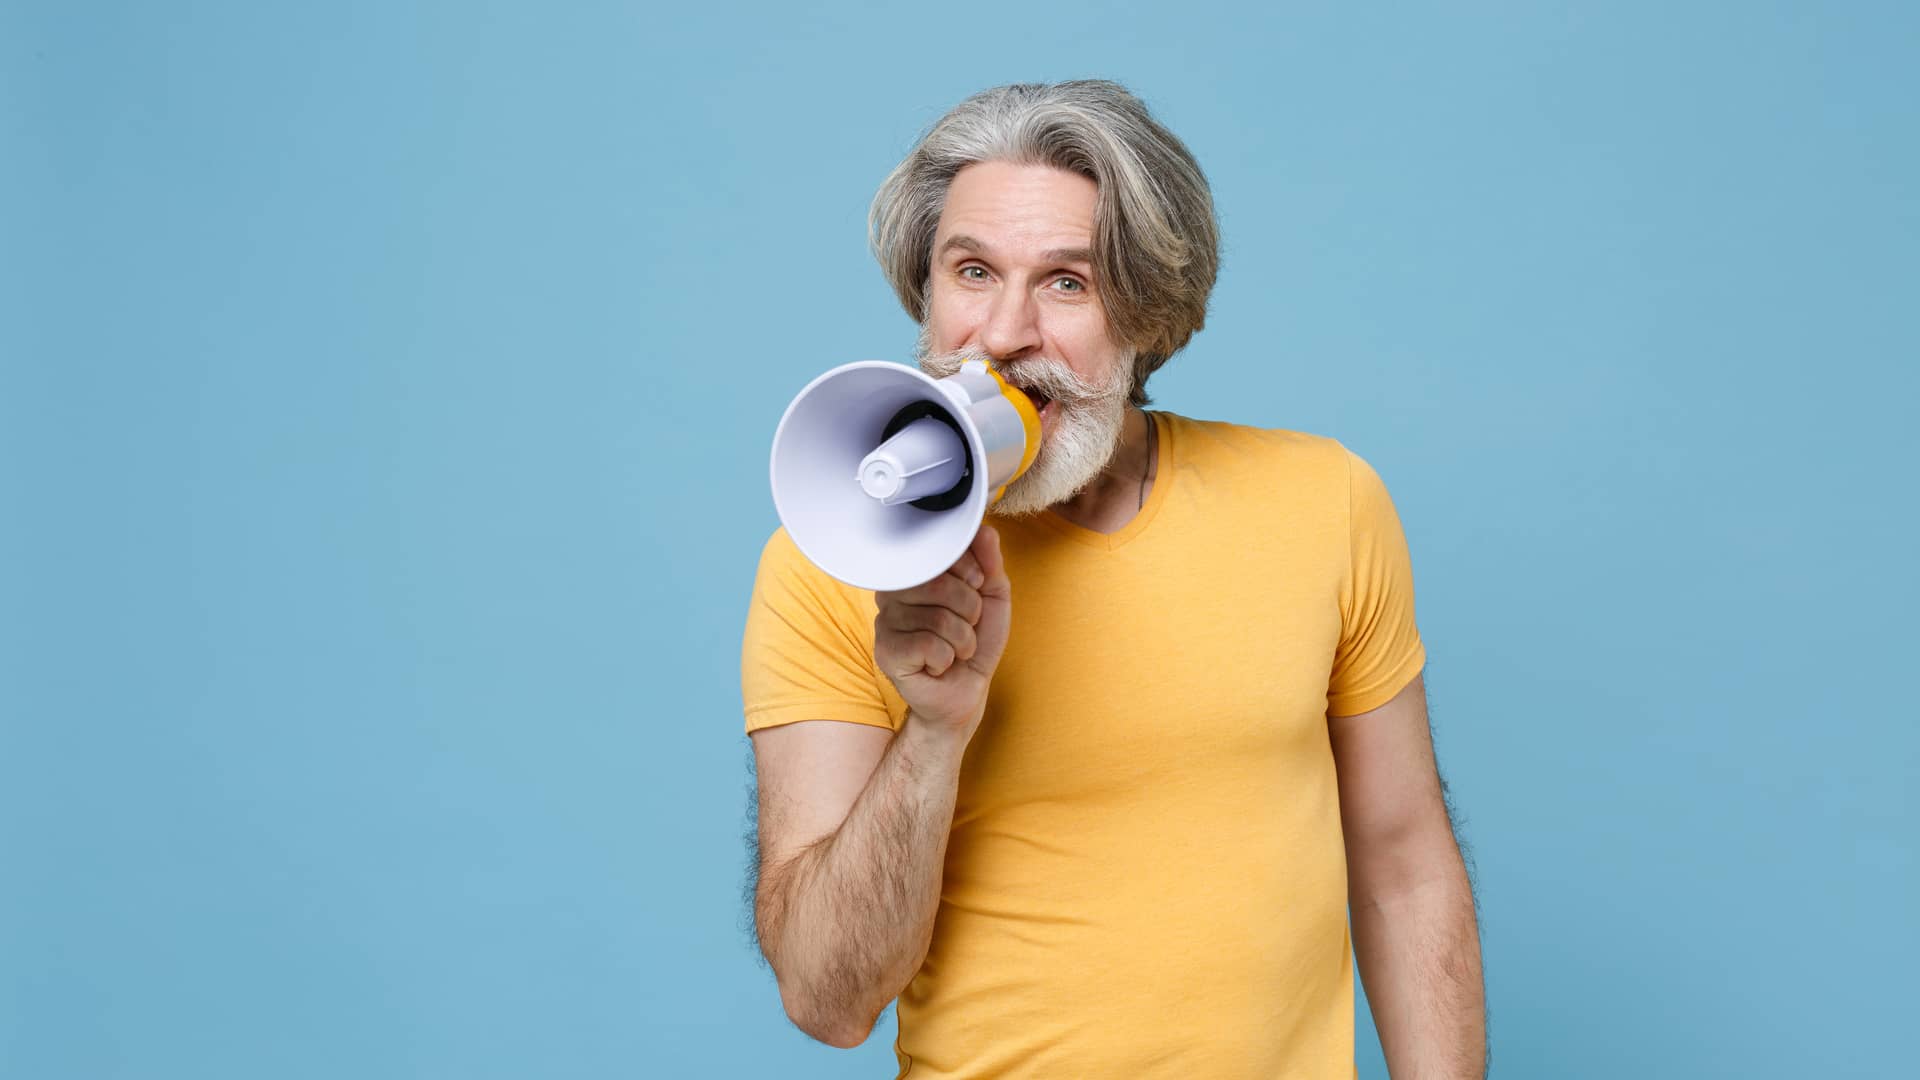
(1018, 209)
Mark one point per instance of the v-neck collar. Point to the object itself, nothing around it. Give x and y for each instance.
(1166, 466)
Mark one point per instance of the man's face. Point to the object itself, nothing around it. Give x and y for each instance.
(1012, 282)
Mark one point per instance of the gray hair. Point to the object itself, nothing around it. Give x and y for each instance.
(1156, 244)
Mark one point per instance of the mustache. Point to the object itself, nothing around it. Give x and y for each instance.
(1039, 377)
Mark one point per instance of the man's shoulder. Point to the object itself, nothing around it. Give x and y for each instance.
(1225, 441)
(786, 576)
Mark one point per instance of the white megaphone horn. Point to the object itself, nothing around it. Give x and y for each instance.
(882, 473)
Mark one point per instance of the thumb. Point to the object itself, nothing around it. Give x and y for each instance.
(996, 601)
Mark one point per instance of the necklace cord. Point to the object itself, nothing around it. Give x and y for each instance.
(1153, 447)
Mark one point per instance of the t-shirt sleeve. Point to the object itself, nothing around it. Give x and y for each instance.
(1380, 649)
(807, 653)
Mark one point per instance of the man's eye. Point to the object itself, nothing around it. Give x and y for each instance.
(1077, 287)
(966, 271)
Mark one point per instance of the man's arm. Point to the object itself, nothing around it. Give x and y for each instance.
(853, 831)
(845, 914)
(1415, 935)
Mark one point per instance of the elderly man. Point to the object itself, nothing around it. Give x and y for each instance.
(1110, 822)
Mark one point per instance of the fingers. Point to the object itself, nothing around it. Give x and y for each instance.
(942, 622)
(931, 626)
(967, 569)
(945, 591)
(902, 654)
(985, 550)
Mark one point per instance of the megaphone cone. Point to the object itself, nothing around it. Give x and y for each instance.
(882, 473)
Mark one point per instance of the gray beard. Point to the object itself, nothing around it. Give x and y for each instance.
(1086, 430)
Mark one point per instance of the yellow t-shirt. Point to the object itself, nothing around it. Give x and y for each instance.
(1146, 875)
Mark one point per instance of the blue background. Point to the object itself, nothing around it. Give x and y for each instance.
(387, 391)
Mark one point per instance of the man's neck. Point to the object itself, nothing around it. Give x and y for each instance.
(1116, 495)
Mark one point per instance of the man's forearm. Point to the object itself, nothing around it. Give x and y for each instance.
(847, 921)
(1419, 954)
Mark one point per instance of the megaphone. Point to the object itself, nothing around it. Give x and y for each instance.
(882, 473)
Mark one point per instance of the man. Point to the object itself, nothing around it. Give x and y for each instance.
(1109, 823)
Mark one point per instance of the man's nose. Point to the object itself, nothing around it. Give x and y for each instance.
(1013, 325)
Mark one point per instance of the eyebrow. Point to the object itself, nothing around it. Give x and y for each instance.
(1056, 255)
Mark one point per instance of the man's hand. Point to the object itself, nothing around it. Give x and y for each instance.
(940, 642)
